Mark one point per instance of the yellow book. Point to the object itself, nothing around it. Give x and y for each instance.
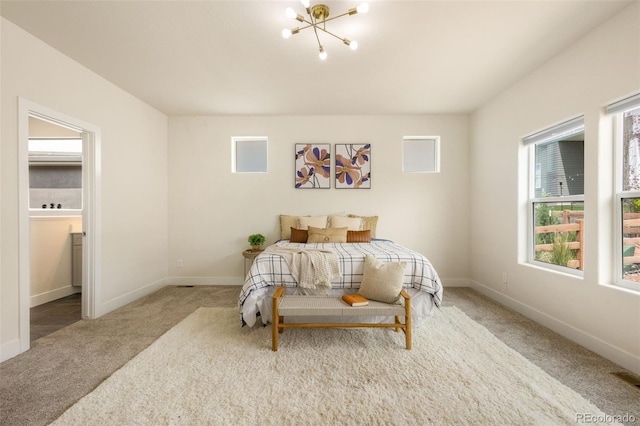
(355, 299)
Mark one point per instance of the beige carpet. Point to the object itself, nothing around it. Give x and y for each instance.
(208, 370)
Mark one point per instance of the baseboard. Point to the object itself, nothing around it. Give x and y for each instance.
(456, 282)
(205, 281)
(9, 350)
(127, 298)
(49, 296)
(593, 343)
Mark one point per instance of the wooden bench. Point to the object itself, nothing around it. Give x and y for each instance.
(329, 306)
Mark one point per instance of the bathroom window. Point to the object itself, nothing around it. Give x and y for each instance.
(249, 154)
(421, 154)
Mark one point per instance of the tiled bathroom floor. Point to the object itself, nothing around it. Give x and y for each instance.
(53, 316)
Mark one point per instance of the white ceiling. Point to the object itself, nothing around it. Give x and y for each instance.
(228, 57)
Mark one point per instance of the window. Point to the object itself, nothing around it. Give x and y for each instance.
(626, 116)
(556, 196)
(421, 154)
(249, 154)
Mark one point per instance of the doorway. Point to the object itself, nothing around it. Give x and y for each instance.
(81, 208)
(55, 226)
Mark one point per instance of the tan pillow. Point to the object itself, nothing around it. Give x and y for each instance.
(305, 222)
(368, 222)
(299, 235)
(327, 235)
(382, 281)
(286, 223)
(352, 223)
(359, 236)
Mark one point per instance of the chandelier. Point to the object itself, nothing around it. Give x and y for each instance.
(318, 17)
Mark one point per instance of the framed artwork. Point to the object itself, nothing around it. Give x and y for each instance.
(313, 166)
(353, 166)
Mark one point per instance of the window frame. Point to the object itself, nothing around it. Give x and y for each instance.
(618, 239)
(436, 153)
(616, 111)
(556, 132)
(234, 153)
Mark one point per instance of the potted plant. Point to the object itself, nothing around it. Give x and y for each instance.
(256, 241)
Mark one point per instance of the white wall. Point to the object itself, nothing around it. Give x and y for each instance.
(600, 68)
(51, 254)
(212, 211)
(133, 173)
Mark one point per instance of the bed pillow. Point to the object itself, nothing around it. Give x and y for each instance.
(368, 222)
(305, 222)
(286, 223)
(359, 236)
(352, 223)
(382, 281)
(327, 235)
(299, 235)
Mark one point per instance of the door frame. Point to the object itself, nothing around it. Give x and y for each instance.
(91, 221)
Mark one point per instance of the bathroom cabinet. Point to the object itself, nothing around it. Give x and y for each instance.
(76, 259)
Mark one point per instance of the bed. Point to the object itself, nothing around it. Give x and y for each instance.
(270, 270)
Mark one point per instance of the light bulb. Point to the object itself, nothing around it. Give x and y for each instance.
(363, 8)
(290, 13)
(305, 3)
(353, 45)
(286, 33)
(323, 54)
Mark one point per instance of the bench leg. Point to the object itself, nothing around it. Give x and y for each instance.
(274, 333)
(407, 324)
(275, 319)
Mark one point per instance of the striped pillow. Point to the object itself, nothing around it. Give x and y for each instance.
(359, 236)
(299, 235)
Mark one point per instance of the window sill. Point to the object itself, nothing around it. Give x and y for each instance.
(625, 286)
(555, 269)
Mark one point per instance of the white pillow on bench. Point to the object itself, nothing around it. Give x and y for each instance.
(382, 281)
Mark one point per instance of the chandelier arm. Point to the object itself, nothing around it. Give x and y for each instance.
(315, 31)
(310, 23)
(314, 24)
(307, 26)
(332, 18)
(330, 33)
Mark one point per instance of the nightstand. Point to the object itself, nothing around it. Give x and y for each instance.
(249, 255)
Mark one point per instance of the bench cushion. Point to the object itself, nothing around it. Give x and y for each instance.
(333, 306)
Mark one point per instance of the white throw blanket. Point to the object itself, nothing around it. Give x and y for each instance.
(312, 269)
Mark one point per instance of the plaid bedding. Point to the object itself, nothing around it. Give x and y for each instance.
(270, 269)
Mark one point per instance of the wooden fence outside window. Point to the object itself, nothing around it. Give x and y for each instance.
(573, 221)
